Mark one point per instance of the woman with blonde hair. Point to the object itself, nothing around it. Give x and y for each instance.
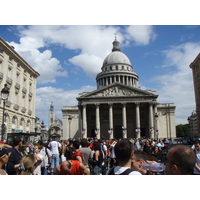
(27, 165)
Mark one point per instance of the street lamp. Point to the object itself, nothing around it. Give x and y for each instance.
(4, 96)
(70, 120)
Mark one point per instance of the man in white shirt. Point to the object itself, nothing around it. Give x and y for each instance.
(54, 147)
(123, 151)
(47, 155)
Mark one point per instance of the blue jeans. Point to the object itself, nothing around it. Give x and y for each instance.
(44, 171)
(55, 161)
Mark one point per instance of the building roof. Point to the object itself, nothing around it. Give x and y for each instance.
(116, 56)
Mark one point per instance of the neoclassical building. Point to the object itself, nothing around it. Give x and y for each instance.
(20, 78)
(118, 108)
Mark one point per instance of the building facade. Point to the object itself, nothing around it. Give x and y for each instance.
(118, 108)
(20, 78)
(55, 125)
(195, 66)
(193, 125)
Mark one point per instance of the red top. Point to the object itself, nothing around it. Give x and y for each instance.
(77, 153)
(75, 168)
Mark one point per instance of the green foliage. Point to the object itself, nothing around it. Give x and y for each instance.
(182, 130)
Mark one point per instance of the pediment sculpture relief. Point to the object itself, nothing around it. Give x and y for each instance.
(116, 91)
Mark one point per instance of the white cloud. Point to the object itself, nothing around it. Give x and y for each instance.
(176, 86)
(90, 42)
(59, 97)
(141, 35)
(91, 64)
(49, 68)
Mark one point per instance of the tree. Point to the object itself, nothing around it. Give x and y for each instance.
(182, 130)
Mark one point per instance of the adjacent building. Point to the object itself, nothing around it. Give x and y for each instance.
(118, 108)
(193, 124)
(195, 66)
(20, 78)
(55, 125)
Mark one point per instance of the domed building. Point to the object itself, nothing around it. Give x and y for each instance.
(118, 108)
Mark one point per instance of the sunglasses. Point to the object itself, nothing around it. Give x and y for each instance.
(169, 161)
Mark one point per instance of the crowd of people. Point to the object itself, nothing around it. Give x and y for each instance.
(90, 156)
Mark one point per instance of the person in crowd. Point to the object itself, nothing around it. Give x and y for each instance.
(38, 159)
(157, 153)
(97, 159)
(113, 161)
(14, 158)
(55, 148)
(69, 150)
(27, 165)
(77, 155)
(123, 152)
(23, 150)
(47, 158)
(86, 152)
(148, 147)
(4, 155)
(180, 160)
(72, 167)
(196, 170)
(137, 144)
(104, 152)
(29, 148)
(138, 159)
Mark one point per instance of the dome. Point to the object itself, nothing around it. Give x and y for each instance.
(116, 57)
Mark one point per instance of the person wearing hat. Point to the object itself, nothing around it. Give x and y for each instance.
(4, 155)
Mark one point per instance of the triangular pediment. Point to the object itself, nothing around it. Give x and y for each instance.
(117, 90)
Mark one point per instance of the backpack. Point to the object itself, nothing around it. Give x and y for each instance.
(47, 155)
(126, 172)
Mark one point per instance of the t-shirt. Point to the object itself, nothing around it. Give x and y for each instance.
(53, 145)
(118, 170)
(37, 170)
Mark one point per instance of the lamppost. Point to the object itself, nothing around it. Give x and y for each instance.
(70, 120)
(4, 96)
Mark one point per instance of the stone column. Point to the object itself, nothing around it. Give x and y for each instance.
(124, 128)
(114, 79)
(156, 132)
(111, 120)
(97, 121)
(84, 128)
(137, 111)
(127, 80)
(123, 81)
(106, 81)
(151, 128)
(110, 79)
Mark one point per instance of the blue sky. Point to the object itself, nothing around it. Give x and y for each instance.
(68, 59)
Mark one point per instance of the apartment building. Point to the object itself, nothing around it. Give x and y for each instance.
(20, 78)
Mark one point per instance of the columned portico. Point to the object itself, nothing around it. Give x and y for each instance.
(118, 108)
